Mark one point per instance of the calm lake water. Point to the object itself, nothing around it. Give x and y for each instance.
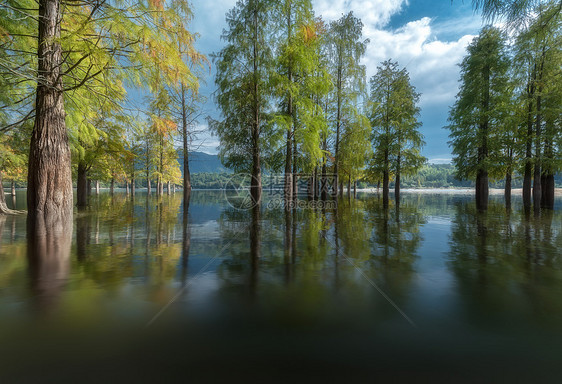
(150, 290)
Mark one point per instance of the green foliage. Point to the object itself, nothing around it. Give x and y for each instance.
(243, 71)
(394, 114)
(478, 116)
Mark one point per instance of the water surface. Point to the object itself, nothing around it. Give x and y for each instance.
(150, 288)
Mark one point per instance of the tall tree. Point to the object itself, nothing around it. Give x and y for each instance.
(345, 49)
(474, 118)
(537, 57)
(243, 67)
(394, 117)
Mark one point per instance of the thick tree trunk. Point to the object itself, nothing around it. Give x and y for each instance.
(148, 187)
(49, 184)
(13, 188)
(82, 185)
(548, 191)
(507, 190)
(482, 190)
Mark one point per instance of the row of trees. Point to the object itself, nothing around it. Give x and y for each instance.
(65, 71)
(293, 97)
(507, 117)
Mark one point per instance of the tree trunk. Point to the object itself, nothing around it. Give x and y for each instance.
(168, 188)
(385, 191)
(4, 210)
(13, 187)
(507, 191)
(482, 191)
(537, 194)
(82, 185)
(397, 182)
(148, 187)
(548, 190)
(97, 187)
(112, 187)
(324, 183)
(133, 186)
(397, 188)
(49, 184)
(89, 187)
(185, 134)
(349, 185)
(127, 188)
(255, 186)
(355, 188)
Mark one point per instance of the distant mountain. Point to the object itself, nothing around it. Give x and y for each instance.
(200, 162)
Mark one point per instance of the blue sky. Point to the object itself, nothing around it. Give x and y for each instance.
(428, 37)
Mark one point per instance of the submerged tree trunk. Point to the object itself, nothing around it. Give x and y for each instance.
(97, 187)
(148, 187)
(482, 190)
(82, 185)
(133, 186)
(548, 191)
(397, 182)
(355, 188)
(13, 187)
(49, 183)
(112, 187)
(168, 188)
(507, 191)
(385, 180)
(4, 210)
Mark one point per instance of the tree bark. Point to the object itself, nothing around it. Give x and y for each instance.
(133, 186)
(49, 184)
(168, 188)
(112, 187)
(97, 187)
(13, 187)
(89, 187)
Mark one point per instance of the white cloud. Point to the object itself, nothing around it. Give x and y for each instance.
(371, 12)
